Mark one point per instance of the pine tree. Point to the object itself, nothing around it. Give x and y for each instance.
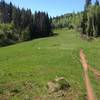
(16, 17)
(87, 3)
(42, 24)
(85, 17)
(84, 22)
(2, 11)
(10, 8)
(97, 2)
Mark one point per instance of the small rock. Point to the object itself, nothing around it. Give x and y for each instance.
(52, 86)
(57, 85)
(63, 84)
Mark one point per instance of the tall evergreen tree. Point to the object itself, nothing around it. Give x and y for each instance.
(97, 2)
(87, 3)
(42, 24)
(2, 11)
(16, 17)
(10, 8)
(84, 22)
(85, 17)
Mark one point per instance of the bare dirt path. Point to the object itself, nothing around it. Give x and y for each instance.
(90, 93)
(96, 72)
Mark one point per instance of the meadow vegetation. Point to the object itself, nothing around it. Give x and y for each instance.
(26, 68)
(48, 49)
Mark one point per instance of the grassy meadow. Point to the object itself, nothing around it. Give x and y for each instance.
(26, 68)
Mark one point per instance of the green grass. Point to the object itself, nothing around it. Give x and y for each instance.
(26, 68)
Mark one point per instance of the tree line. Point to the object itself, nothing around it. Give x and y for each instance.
(91, 19)
(18, 25)
(70, 21)
(86, 22)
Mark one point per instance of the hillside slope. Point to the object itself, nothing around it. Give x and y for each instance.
(26, 68)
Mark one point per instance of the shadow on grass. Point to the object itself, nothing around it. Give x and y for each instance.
(6, 44)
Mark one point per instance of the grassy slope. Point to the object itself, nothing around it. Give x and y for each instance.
(41, 60)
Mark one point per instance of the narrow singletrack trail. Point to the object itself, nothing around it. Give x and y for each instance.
(96, 72)
(90, 92)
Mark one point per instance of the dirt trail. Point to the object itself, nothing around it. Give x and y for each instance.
(96, 72)
(90, 93)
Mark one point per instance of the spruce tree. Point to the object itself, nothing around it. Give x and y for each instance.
(87, 3)
(97, 2)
